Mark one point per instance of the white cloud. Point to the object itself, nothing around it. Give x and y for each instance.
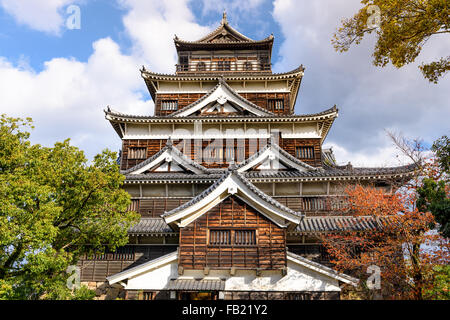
(370, 99)
(67, 98)
(42, 15)
(152, 26)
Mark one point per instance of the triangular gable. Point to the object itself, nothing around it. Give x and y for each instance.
(273, 157)
(168, 159)
(144, 267)
(232, 183)
(222, 95)
(320, 268)
(224, 33)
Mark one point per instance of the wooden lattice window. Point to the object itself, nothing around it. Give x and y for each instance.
(219, 237)
(248, 66)
(121, 254)
(245, 237)
(276, 104)
(201, 66)
(305, 152)
(229, 153)
(169, 105)
(223, 65)
(137, 153)
(134, 205)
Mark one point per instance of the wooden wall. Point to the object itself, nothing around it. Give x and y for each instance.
(290, 145)
(232, 213)
(97, 269)
(185, 99)
(154, 145)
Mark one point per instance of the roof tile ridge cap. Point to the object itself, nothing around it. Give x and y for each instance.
(254, 156)
(187, 159)
(266, 197)
(200, 196)
(210, 92)
(222, 80)
(145, 162)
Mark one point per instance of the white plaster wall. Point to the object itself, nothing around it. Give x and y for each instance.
(298, 278)
(155, 279)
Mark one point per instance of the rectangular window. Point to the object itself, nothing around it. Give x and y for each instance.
(232, 237)
(229, 153)
(223, 65)
(219, 237)
(137, 153)
(305, 152)
(169, 105)
(276, 104)
(245, 237)
(134, 205)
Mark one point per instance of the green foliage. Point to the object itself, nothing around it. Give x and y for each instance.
(433, 198)
(441, 148)
(441, 287)
(54, 207)
(405, 27)
(433, 194)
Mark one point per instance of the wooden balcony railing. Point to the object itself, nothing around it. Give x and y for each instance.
(226, 67)
(322, 203)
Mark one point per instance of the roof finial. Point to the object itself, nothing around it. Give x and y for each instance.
(224, 17)
(232, 166)
(169, 142)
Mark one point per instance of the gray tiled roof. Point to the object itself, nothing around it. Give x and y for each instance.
(338, 223)
(218, 75)
(200, 196)
(192, 284)
(281, 151)
(308, 225)
(169, 146)
(149, 226)
(252, 187)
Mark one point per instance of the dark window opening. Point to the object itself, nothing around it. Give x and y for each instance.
(245, 237)
(201, 66)
(137, 153)
(305, 152)
(219, 237)
(276, 104)
(169, 105)
(248, 66)
(223, 65)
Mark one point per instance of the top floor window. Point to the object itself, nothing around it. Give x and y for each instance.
(201, 66)
(223, 65)
(137, 153)
(170, 105)
(305, 152)
(276, 104)
(248, 66)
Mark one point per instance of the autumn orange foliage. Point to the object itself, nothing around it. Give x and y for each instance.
(402, 245)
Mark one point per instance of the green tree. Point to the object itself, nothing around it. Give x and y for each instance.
(403, 28)
(54, 207)
(434, 192)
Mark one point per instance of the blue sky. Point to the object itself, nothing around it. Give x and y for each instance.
(65, 78)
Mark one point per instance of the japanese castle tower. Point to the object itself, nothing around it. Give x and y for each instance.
(233, 187)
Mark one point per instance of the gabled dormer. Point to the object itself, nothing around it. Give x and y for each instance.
(224, 50)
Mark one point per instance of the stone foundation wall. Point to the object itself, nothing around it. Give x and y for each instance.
(104, 291)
